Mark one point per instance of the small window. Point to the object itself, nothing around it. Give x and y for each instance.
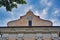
(30, 23)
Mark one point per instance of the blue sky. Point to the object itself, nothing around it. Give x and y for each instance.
(46, 9)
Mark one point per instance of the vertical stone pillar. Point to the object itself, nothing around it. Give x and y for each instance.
(4, 36)
(47, 37)
(20, 37)
(55, 36)
(39, 36)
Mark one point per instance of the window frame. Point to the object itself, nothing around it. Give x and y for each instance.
(29, 23)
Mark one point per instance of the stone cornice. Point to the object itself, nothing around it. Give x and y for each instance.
(29, 30)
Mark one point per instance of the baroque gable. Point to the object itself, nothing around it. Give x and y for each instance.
(30, 20)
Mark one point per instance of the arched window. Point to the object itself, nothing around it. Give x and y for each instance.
(30, 23)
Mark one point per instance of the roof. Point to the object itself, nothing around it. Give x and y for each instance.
(29, 14)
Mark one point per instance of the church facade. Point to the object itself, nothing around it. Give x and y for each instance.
(30, 20)
(30, 27)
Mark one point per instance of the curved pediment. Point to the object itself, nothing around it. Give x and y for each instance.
(30, 20)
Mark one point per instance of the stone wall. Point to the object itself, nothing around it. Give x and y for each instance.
(33, 37)
(24, 21)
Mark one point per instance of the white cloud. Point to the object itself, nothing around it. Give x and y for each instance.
(49, 4)
(43, 1)
(55, 22)
(46, 3)
(7, 20)
(26, 8)
(36, 13)
(44, 13)
(54, 18)
(11, 13)
(4, 23)
(29, 7)
(56, 11)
